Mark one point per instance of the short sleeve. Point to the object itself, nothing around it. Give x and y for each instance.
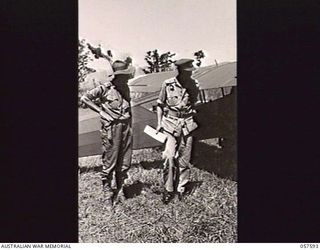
(162, 95)
(95, 93)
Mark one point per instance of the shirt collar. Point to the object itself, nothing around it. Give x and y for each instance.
(177, 83)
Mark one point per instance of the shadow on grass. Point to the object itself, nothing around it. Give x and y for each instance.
(135, 189)
(86, 169)
(221, 162)
(192, 186)
(152, 165)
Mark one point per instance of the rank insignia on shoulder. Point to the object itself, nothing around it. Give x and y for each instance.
(170, 81)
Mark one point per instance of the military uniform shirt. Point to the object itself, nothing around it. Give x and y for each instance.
(110, 100)
(174, 97)
(177, 105)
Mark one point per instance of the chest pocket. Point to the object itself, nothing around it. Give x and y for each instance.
(112, 97)
(177, 97)
(174, 95)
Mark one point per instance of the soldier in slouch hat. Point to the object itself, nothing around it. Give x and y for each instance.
(112, 101)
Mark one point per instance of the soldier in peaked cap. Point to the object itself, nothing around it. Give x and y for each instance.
(112, 101)
(175, 113)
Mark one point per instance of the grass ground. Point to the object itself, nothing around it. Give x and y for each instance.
(209, 213)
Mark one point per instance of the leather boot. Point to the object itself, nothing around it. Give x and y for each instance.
(108, 195)
(120, 197)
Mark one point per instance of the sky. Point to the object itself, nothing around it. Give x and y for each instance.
(133, 27)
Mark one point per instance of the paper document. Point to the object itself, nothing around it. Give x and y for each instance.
(161, 137)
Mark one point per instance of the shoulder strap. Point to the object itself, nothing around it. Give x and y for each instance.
(170, 81)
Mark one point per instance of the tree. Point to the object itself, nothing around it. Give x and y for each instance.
(83, 60)
(199, 55)
(98, 53)
(166, 62)
(157, 62)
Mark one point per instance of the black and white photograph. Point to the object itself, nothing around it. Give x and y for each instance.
(122, 122)
(157, 121)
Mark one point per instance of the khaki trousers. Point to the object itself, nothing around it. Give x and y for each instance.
(117, 152)
(177, 156)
